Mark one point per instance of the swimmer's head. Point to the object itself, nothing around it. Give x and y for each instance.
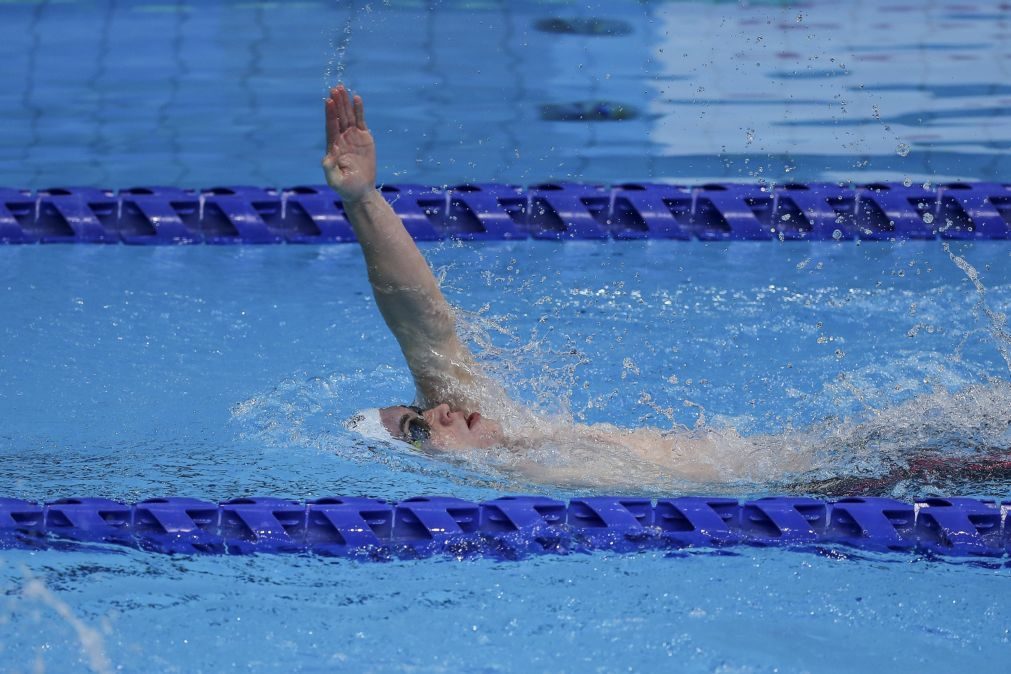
(437, 428)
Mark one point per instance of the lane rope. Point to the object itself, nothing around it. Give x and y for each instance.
(500, 212)
(508, 527)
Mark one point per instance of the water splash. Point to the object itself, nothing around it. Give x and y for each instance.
(876, 444)
(883, 441)
(876, 421)
(997, 320)
(312, 411)
(340, 44)
(527, 368)
(879, 451)
(309, 410)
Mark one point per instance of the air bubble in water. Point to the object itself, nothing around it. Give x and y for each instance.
(836, 234)
(785, 217)
(907, 182)
(902, 149)
(928, 218)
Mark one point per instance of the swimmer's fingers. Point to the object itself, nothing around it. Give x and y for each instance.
(347, 114)
(360, 114)
(332, 123)
(339, 117)
(342, 114)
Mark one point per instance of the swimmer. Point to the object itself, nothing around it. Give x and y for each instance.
(406, 293)
(458, 409)
(453, 397)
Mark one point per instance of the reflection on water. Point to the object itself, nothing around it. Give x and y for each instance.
(90, 639)
(515, 92)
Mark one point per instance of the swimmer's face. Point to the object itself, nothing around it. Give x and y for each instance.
(441, 427)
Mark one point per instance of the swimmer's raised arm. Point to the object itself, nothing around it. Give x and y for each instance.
(406, 291)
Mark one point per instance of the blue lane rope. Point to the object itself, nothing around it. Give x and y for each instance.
(508, 527)
(498, 212)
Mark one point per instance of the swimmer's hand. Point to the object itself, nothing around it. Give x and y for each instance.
(350, 161)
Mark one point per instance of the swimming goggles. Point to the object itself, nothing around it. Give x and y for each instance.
(417, 431)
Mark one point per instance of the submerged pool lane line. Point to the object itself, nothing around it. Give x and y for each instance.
(507, 527)
(496, 212)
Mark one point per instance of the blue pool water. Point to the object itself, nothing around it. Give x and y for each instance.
(216, 372)
(192, 94)
(226, 371)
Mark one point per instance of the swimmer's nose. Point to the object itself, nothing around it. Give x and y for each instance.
(443, 414)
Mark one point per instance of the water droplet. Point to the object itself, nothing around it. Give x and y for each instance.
(907, 182)
(928, 218)
(836, 234)
(630, 366)
(839, 353)
(902, 149)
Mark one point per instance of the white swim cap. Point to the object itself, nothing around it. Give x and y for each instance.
(369, 424)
